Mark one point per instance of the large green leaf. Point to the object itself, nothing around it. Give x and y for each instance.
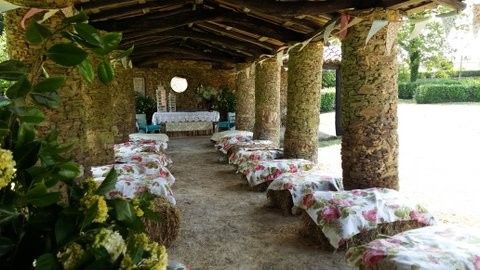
(109, 183)
(66, 54)
(64, 229)
(51, 84)
(47, 261)
(26, 155)
(19, 89)
(105, 72)
(90, 215)
(12, 70)
(124, 211)
(89, 34)
(50, 100)
(81, 17)
(7, 213)
(26, 134)
(86, 70)
(5, 245)
(122, 54)
(39, 195)
(37, 33)
(110, 42)
(69, 170)
(4, 101)
(30, 115)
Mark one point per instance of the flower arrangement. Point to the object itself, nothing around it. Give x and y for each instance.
(49, 217)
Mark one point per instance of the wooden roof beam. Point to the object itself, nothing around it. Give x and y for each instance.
(138, 10)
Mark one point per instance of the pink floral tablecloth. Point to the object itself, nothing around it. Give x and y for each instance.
(149, 171)
(306, 182)
(344, 214)
(217, 137)
(130, 186)
(262, 171)
(226, 143)
(435, 247)
(254, 154)
(145, 158)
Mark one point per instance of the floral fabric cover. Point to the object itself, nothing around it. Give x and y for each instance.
(254, 154)
(131, 186)
(138, 146)
(344, 214)
(226, 143)
(436, 247)
(217, 137)
(306, 182)
(160, 137)
(144, 152)
(259, 172)
(149, 171)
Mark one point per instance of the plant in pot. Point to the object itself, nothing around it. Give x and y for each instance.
(49, 217)
(225, 102)
(207, 96)
(145, 105)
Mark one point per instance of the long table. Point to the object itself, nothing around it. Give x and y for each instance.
(187, 123)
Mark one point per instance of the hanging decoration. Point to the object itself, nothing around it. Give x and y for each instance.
(7, 6)
(420, 24)
(377, 25)
(328, 31)
(343, 26)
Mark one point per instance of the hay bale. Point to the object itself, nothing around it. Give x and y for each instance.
(314, 232)
(262, 187)
(165, 229)
(281, 199)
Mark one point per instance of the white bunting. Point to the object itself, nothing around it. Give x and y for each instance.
(6, 6)
(419, 26)
(328, 31)
(48, 15)
(376, 26)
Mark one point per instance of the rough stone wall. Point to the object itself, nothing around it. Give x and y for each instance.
(123, 99)
(283, 95)
(304, 84)
(197, 73)
(85, 114)
(43, 3)
(245, 97)
(267, 99)
(369, 97)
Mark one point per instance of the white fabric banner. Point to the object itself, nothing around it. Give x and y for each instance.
(6, 6)
(376, 26)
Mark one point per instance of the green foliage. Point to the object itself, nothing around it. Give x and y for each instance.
(225, 100)
(145, 105)
(327, 100)
(49, 219)
(407, 90)
(467, 91)
(328, 78)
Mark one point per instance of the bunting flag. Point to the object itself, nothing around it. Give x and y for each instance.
(377, 25)
(30, 13)
(6, 6)
(419, 26)
(392, 30)
(343, 26)
(328, 31)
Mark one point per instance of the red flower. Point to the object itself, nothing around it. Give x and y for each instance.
(308, 200)
(288, 186)
(293, 168)
(259, 168)
(476, 262)
(370, 215)
(419, 217)
(137, 158)
(372, 257)
(330, 214)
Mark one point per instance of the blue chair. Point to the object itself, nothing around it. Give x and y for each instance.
(143, 126)
(229, 124)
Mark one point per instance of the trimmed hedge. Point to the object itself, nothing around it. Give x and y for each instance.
(407, 90)
(437, 93)
(327, 101)
(328, 78)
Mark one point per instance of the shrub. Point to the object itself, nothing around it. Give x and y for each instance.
(327, 101)
(437, 93)
(406, 90)
(328, 78)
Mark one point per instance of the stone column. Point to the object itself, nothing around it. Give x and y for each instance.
(369, 99)
(267, 99)
(123, 100)
(43, 3)
(303, 113)
(245, 97)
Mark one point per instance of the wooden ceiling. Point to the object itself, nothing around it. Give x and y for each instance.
(224, 31)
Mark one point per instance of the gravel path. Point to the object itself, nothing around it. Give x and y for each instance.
(226, 226)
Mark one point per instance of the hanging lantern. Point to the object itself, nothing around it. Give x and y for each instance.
(179, 84)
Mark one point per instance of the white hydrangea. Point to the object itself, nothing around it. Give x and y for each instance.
(112, 241)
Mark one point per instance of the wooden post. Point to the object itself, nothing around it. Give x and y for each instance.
(303, 113)
(369, 107)
(245, 97)
(267, 99)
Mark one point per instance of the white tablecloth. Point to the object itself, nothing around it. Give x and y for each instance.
(179, 117)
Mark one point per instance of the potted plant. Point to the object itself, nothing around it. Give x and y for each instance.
(145, 105)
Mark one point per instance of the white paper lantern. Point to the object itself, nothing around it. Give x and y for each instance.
(178, 84)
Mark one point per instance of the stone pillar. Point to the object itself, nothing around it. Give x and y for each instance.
(123, 104)
(303, 113)
(267, 99)
(283, 96)
(43, 3)
(369, 99)
(245, 97)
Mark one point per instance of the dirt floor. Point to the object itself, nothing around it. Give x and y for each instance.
(227, 226)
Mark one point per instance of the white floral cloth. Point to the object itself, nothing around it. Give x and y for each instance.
(145, 152)
(130, 186)
(306, 182)
(254, 154)
(436, 247)
(216, 137)
(344, 214)
(262, 171)
(226, 143)
(139, 146)
(178, 117)
(160, 137)
(149, 171)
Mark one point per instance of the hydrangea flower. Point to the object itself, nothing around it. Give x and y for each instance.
(102, 208)
(7, 167)
(72, 256)
(157, 259)
(136, 207)
(112, 242)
